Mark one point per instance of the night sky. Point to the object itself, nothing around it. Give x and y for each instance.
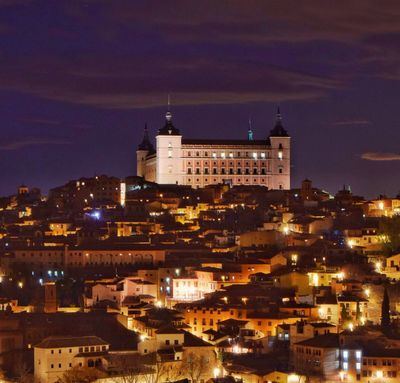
(79, 79)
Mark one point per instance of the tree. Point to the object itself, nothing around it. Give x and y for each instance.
(385, 311)
(81, 375)
(159, 370)
(358, 312)
(150, 368)
(389, 228)
(195, 367)
(344, 314)
(22, 371)
(129, 368)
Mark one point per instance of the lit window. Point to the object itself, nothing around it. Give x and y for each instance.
(255, 155)
(345, 366)
(169, 150)
(345, 354)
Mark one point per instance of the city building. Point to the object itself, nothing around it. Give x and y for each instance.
(54, 356)
(202, 162)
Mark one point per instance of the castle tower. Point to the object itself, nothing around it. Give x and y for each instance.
(169, 166)
(306, 190)
(144, 149)
(280, 155)
(50, 297)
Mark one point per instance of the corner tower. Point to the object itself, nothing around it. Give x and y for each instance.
(169, 166)
(280, 155)
(144, 149)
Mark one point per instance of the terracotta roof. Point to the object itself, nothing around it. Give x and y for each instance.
(169, 329)
(322, 341)
(71, 341)
(321, 324)
(194, 341)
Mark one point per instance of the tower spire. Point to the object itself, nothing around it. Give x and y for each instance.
(278, 130)
(168, 115)
(168, 128)
(250, 131)
(278, 115)
(146, 142)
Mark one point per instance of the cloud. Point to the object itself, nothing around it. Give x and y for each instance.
(127, 82)
(252, 20)
(16, 145)
(124, 54)
(352, 122)
(39, 121)
(379, 156)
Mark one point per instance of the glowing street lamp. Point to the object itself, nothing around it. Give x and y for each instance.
(286, 230)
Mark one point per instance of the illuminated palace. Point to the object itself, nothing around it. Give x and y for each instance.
(200, 162)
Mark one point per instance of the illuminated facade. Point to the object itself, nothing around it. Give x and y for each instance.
(201, 162)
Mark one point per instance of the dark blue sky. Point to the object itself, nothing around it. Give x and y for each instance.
(78, 80)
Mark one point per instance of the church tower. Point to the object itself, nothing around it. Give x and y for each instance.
(169, 166)
(280, 155)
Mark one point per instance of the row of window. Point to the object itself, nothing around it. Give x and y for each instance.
(223, 163)
(308, 351)
(84, 349)
(374, 362)
(232, 154)
(231, 171)
(91, 363)
(168, 342)
(80, 255)
(385, 374)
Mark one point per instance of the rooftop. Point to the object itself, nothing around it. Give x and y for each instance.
(71, 341)
(322, 341)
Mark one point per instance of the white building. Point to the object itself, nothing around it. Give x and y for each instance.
(201, 162)
(120, 289)
(54, 356)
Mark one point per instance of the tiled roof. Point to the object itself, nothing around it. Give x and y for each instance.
(71, 341)
(216, 142)
(194, 341)
(322, 341)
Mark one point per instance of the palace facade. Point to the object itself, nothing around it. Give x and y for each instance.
(201, 162)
